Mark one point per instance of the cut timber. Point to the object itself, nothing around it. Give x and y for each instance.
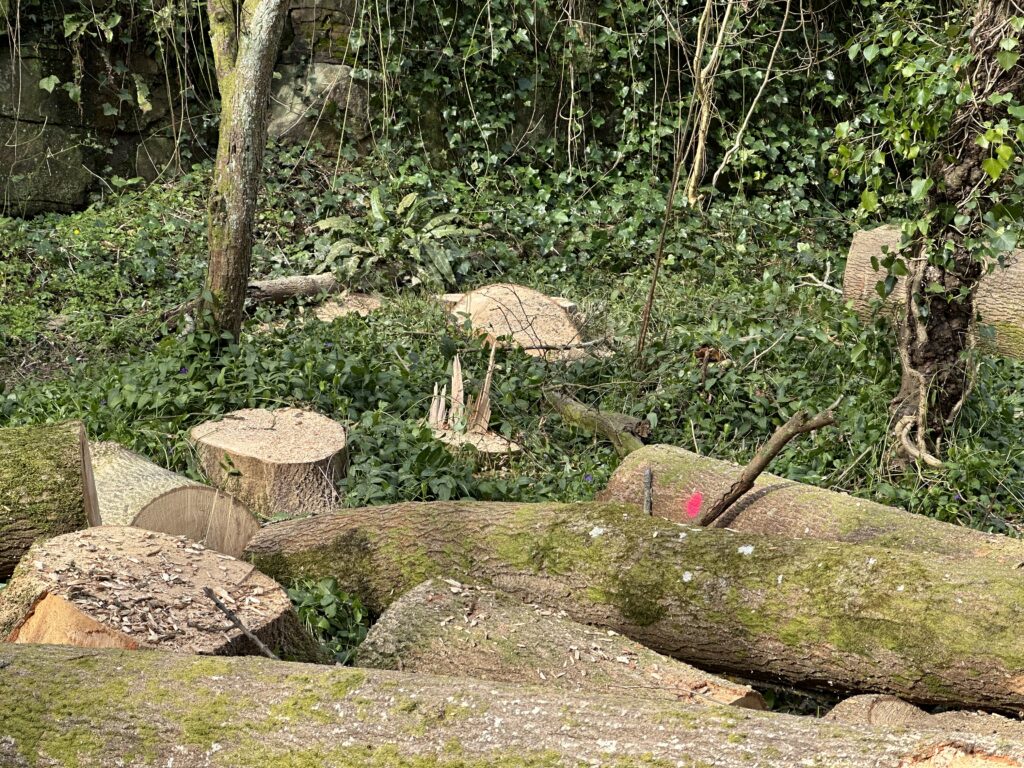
(280, 463)
(444, 628)
(46, 487)
(892, 712)
(132, 490)
(281, 289)
(192, 713)
(624, 432)
(856, 618)
(779, 507)
(532, 320)
(999, 302)
(450, 300)
(123, 587)
(360, 304)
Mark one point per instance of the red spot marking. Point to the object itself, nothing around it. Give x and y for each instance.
(693, 505)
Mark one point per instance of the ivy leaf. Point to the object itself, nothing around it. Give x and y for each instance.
(49, 83)
(869, 200)
(871, 53)
(919, 188)
(992, 167)
(1007, 59)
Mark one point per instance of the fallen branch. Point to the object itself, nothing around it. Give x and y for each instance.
(798, 424)
(239, 625)
(624, 432)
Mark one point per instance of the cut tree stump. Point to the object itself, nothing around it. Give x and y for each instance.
(779, 507)
(445, 628)
(891, 712)
(46, 487)
(123, 587)
(533, 321)
(813, 614)
(450, 300)
(177, 710)
(134, 491)
(999, 301)
(361, 304)
(282, 463)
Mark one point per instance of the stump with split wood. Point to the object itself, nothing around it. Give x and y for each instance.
(445, 628)
(123, 587)
(46, 487)
(282, 463)
(132, 490)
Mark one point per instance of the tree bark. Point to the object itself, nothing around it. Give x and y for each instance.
(890, 712)
(244, 35)
(780, 507)
(281, 289)
(931, 629)
(63, 706)
(622, 431)
(46, 487)
(936, 326)
(445, 628)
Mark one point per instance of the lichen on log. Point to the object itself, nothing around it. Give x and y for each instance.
(46, 487)
(111, 707)
(815, 614)
(446, 628)
(779, 507)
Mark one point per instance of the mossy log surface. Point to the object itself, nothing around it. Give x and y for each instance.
(64, 707)
(618, 428)
(46, 487)
(446, 628)
(776, 506)
(815, 614)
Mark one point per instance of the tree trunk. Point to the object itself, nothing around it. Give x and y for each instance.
(779, 507)
(123, 587)
(244, 36)
(46, 487)
(936, 327)
(890, 712)
(281, 289)
(63, 707)
(134, 491)
(444, 628)
(818, 615)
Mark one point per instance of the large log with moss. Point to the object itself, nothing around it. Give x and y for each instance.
(926, 627)
(999, 301)
(63, 707)
(443, 627)
(46, 487)
(123, 587)
(779, 507)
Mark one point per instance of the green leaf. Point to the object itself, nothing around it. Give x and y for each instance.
(919, 188)
(407, 201)
(376, 209)
(49, 83)
(142, 94)
(992, 167)
(869, 200)
(871, 53)
(1007, 59)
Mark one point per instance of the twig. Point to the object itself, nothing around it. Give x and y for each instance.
(238, 623)
(797, 425)
(648, 491)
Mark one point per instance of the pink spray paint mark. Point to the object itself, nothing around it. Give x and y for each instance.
(693, 505)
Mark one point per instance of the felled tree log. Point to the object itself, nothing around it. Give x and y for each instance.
(281, 463)
(445, 628)
(46, 487)
(123, 587)
(857, 618)
(999, 301)
(892, 712)
(779, 507)
(254, 712)
(132, 490)
(281, 289)
(622, 431)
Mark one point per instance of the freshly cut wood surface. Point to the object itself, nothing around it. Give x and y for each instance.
(891, 712)
(446, 628)
(815, 614)
(449, 300)
(780, 507)
(206, 713)
(118, 586)
(360, 304)
(999, 300)
(46, 487)
(281, 463)
(533, 321)
(132, 490)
